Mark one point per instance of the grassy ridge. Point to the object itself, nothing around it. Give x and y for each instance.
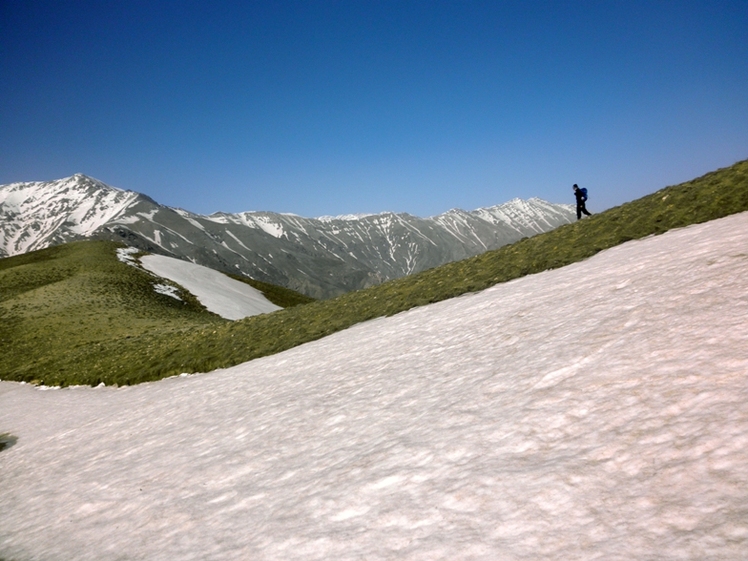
(184, 338)
(278, 295)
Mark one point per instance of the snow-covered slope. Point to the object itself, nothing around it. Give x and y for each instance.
(220, 294)
(320, 257)
(599, 411)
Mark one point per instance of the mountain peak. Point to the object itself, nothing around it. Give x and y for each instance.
(38, 214)
(87, 181)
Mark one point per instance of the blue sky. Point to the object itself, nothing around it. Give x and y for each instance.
(336, 107)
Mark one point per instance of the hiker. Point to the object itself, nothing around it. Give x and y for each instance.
(581, 195)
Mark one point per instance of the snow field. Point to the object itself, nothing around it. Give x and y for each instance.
(599, 411)
(222, 295)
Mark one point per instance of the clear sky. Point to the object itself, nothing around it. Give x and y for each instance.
(336, 107)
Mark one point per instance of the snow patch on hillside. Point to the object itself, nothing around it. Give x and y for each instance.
(167, 290)
(125, 255)
(222, 295)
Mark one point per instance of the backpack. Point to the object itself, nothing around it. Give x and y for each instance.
(584, 193)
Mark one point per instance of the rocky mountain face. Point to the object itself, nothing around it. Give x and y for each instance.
(321, 257)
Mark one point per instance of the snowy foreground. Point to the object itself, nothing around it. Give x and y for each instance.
(599, 411)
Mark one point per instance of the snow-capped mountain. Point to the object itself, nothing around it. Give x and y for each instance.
(321, 257)
(40, 214)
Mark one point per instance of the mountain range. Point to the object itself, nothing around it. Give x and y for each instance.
(321, 257)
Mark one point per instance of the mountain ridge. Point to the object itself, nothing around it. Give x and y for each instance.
(321, 257)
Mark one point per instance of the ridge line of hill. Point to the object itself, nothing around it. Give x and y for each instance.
(201, 347)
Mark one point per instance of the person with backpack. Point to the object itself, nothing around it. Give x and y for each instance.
(581, 195)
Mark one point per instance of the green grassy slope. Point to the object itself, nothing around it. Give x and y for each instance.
(74, 309)
(278, 295)
(75, 313)
(184, 338)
